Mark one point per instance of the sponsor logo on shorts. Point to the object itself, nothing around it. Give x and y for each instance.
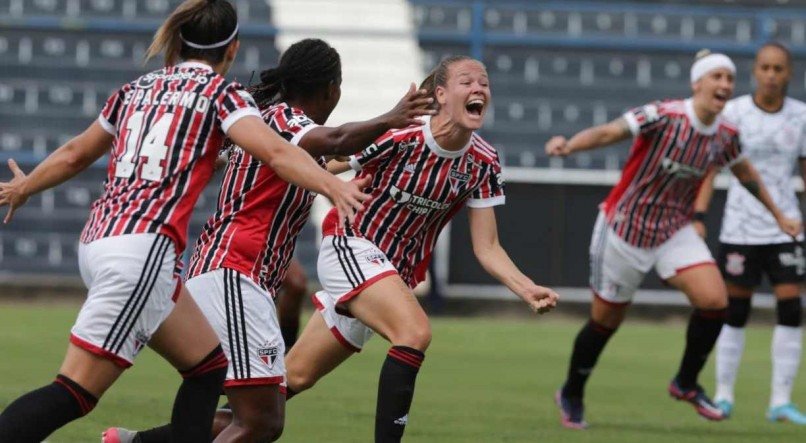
(268, 354)
(734, 264)
(140, 340)
(794, 259)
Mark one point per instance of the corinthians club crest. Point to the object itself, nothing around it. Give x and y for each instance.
(268, 354)
(734, 264)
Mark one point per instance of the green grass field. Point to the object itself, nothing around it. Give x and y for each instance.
(484, 380)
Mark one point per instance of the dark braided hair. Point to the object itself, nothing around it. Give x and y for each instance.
(305, 68)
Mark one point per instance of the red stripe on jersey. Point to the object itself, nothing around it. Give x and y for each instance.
(668, 159)
(414, 193)
(168, 127)
(259, 216)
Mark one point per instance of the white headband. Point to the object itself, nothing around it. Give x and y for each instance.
(709, 63)
(211, 46)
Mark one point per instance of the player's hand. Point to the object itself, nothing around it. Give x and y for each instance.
(791, 226)
(348, 197)
(699, 226)
(557, 146)
(539, 298)
(12, 192)
(413, 105)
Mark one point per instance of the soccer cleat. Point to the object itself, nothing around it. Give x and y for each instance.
(118, 435)
(572, 411)
(726, 407)
(788, 412)
(696, 396)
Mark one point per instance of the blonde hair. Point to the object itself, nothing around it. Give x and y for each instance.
(202, 21)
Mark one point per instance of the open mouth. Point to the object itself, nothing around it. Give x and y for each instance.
(721, 96)
(475, 107)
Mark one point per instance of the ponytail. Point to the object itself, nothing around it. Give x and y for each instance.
(209, 24)
(439, 76)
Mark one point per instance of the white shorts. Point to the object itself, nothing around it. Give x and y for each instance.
(347, 266)
(617, 267)
(348, 330)
(244, 316)
(132, 289)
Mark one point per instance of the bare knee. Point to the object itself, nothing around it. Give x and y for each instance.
(300, 380)
(417, 337)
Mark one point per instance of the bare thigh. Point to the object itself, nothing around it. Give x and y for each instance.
(316, 353)
(185, 337)
(704, 287)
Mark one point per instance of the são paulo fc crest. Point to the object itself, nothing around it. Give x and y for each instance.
(268, 354)
(140, 340)
(377, 258)
(734, 264)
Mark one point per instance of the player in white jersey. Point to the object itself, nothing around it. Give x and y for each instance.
(772, 130)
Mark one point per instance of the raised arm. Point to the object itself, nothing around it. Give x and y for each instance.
(590, 138)
(350, 138)
(703, 201)
(62, 164)
(495, 260)
(750, 179)
(295, 165)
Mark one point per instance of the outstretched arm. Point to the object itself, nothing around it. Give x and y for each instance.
(495, 260)
(590, 138)
(350, 138)
(751, 180)
(296, 166)
(62, 164)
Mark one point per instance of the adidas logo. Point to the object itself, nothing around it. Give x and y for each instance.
(402, 421)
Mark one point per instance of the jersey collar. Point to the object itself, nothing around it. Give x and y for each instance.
(436, 148)
(695, 121)
(196, 65)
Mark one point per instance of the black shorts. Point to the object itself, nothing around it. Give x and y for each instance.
(744, 265)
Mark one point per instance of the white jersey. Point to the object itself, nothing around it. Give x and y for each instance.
(773, 143)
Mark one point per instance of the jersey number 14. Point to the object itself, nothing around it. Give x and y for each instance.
(153, 147)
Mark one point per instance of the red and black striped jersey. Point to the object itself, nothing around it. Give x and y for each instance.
(417, 187)
(254, 230)
(169, 126)
(669, 157)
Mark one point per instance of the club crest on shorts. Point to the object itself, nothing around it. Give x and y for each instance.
(140, 340)
(268, 354)
(376, 258)
(734, 264)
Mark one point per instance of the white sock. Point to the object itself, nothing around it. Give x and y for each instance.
(729, 348)
(787, 344)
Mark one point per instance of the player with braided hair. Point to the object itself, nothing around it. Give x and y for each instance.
(244, 250)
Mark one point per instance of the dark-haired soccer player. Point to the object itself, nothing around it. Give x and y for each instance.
(645, 222)
(244, 250)
(772, 130)
(165, 130)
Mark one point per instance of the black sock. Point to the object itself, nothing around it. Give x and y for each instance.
(289, 393)
(197, 398)
(289, 333)
(160, 434)
(703, 330)
(37, 414)
(588, 345)
(395, 392)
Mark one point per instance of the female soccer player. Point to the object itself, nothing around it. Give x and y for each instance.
(645, 222)
(421, 176)
(165, 129)
(772, 130)
(244, 250)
